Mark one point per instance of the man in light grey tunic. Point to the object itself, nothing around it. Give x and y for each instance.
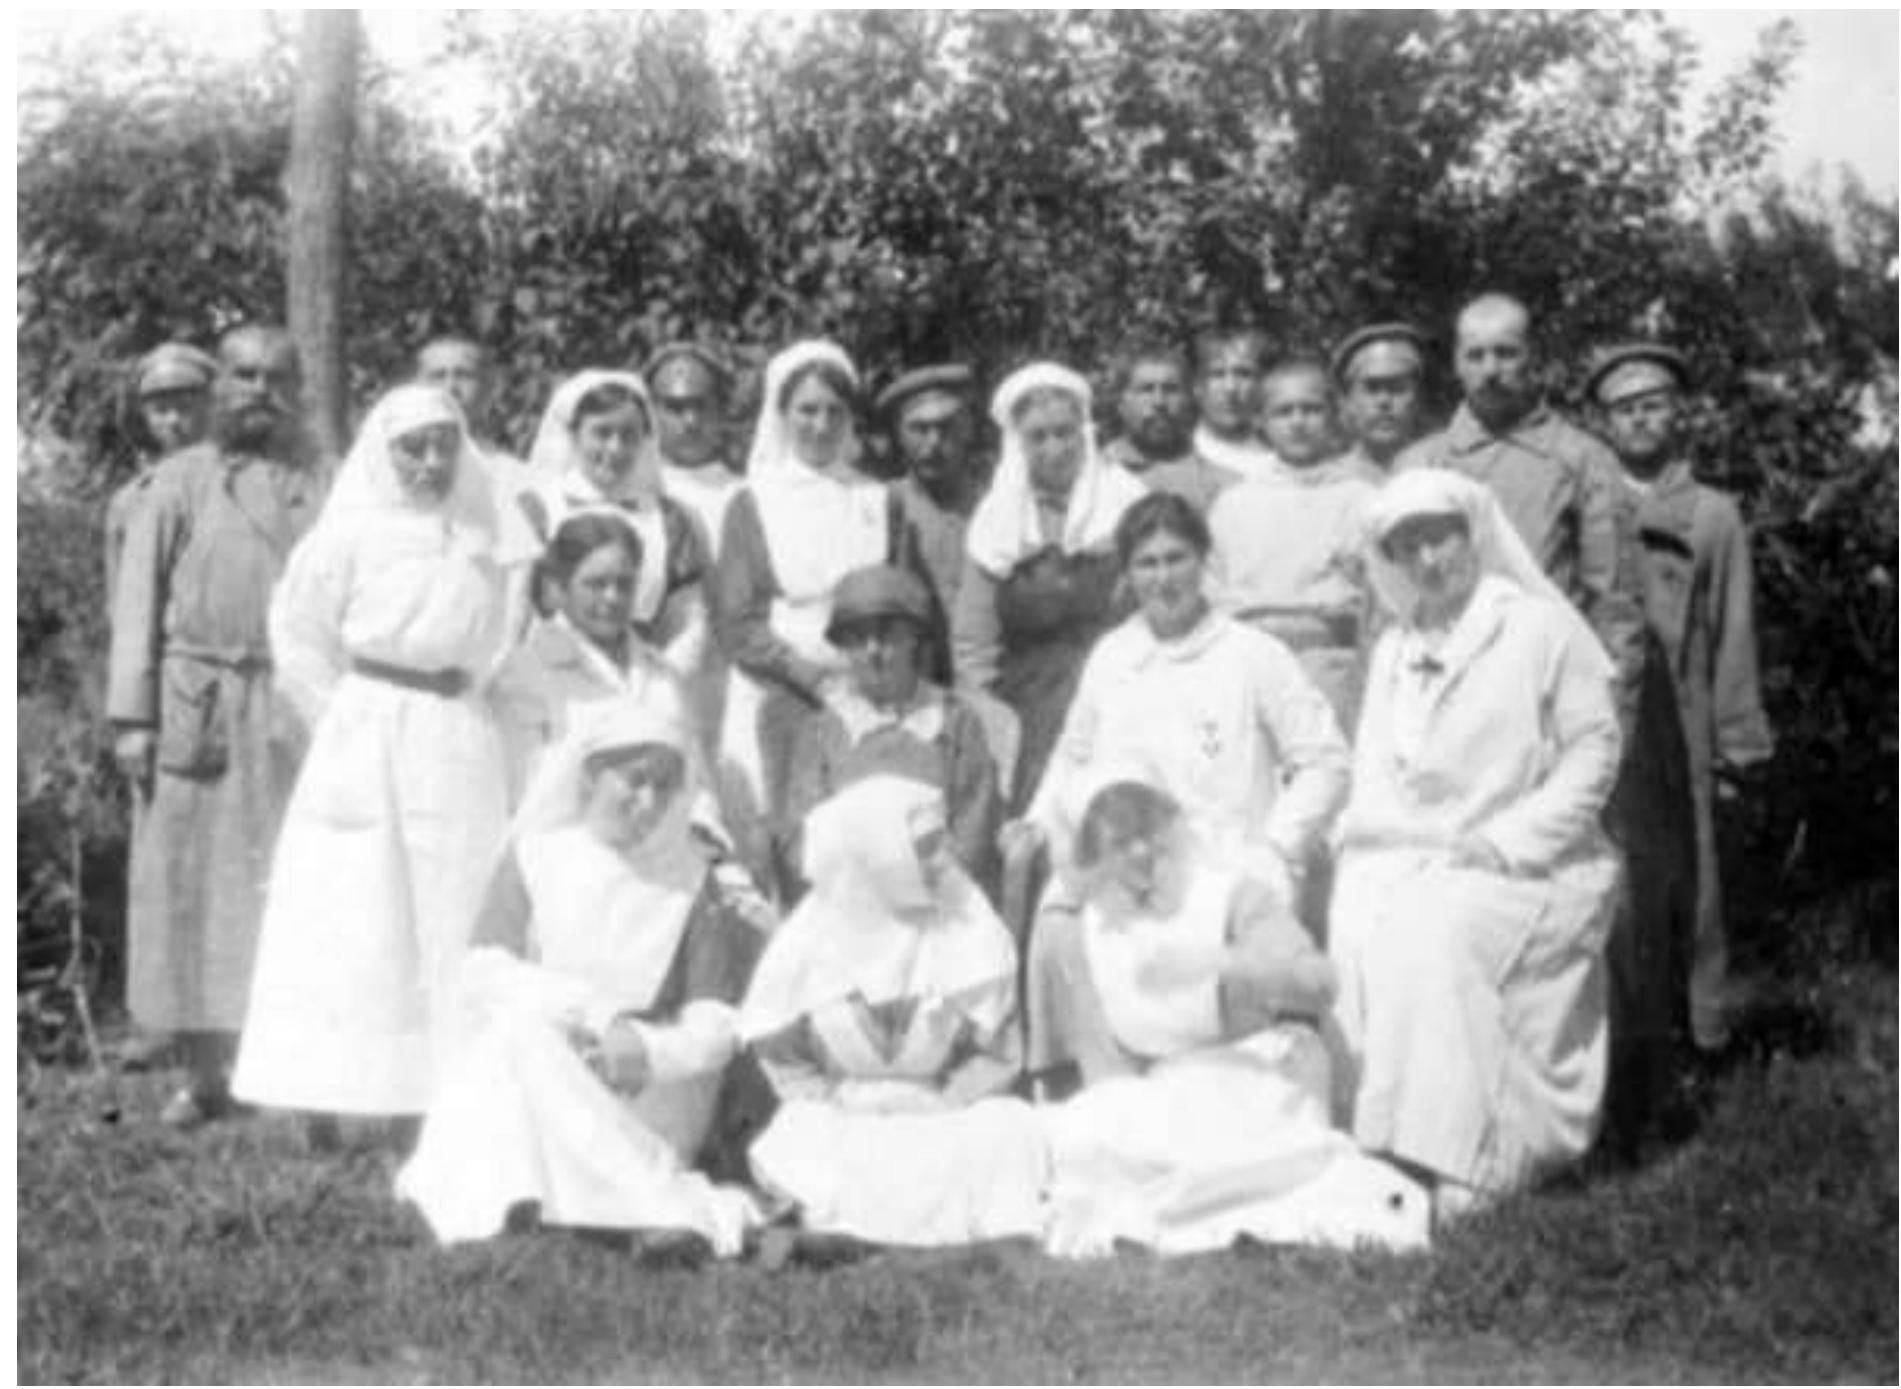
(210, 751)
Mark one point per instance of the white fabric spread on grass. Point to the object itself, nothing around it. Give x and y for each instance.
(1214, 1139)
(520, 1117)
(874, 992)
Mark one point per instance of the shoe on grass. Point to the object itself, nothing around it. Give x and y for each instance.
(143, 1051)
(190, 1109)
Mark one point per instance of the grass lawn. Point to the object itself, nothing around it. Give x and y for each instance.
(1761, 1249)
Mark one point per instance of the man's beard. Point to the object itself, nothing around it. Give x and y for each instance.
(1161, 439)
(252, 428)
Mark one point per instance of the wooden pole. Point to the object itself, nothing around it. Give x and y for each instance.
(322, 131)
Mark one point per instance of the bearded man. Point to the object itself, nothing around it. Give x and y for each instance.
(208, 748)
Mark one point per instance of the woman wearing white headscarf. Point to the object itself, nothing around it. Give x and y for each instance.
(1039, 583)
(388, 617)
(1475, 884)
(597, 1007)
(884, 1014)
(594, 453)
(805, 518)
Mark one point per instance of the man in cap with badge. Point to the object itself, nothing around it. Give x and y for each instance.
(1699, 600)
(1379, 370)
(928, 413)
(164, 410)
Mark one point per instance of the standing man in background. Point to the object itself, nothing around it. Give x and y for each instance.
(1561, 487)
(209, 748)
(1152, 386)
(928, 413)
(1699, 596)
(1229, 366)
(1379, 371)
(691, 387)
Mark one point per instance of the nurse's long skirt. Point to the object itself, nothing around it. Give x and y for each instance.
(391, 835)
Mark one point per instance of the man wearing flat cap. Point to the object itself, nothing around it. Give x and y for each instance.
(928, 412)
(1560, 486)
(1378, 370)
(1152, 384)
(164, 409)
(889, 719)
(1699, 600)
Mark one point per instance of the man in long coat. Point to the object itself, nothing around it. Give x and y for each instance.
(208, 748)
(1699, 598)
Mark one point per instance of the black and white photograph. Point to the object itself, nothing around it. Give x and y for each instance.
(920, 696)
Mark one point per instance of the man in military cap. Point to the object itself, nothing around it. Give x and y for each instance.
(934, 429)
(1560, 486)
(1378, 370)
(1699, 600)
(1151, 383)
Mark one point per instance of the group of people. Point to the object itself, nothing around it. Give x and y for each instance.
(1279, 822)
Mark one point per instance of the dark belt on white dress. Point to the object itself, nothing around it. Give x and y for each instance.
(445, 684)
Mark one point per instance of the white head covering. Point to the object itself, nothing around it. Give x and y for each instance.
(1004, 528)
(819, 523)
(563, 480)
(1442, 492)
(367, 480)
(655, 882)
(556, 458)
(1501, 553)
(871, 925)
(772, 455)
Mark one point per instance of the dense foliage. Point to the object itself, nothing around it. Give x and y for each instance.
(992, 184)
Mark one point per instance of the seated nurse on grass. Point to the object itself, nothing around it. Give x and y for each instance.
(597, 1008)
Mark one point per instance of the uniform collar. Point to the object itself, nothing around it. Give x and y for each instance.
(1467, 434)
(924, 719)
(1149, 648)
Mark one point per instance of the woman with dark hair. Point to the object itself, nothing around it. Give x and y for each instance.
(1039, 583)
(805, 518)
(1224, 715)
(1187, 1001)
(594, 454)
(587, 649)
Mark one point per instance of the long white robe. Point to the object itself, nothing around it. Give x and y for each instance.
(520, 1117)
(395, 823)
(1472, 1003)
